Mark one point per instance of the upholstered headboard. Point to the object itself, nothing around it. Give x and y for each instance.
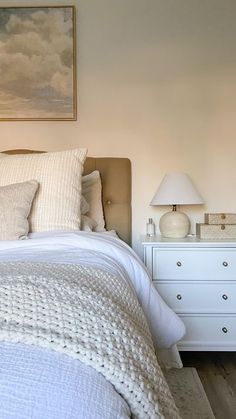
(116, 183)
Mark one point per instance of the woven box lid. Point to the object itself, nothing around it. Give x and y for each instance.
(220, 218)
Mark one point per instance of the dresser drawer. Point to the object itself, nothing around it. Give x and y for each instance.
(198, 264)
(198, 297)
(209, 331)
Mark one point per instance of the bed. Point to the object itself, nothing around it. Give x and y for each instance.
(79, 316)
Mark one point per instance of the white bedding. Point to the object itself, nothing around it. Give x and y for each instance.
(49, 385)
(43, 375)
(103, 250)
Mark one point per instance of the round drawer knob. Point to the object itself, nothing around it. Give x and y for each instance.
(225, 263)
(225, 297)
(178, 263)
(224, 329)
(179, 297)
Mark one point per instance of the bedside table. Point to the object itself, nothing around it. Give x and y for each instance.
(197, 279)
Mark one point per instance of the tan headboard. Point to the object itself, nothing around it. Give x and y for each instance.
(116, 183)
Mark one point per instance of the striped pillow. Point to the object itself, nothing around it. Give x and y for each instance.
(57, 203)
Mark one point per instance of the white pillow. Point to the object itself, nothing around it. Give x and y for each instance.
(92, 191)
(15, 205)
(57, 204)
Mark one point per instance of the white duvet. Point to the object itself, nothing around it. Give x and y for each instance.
(41, 384)
(103, 250)
(36, 383)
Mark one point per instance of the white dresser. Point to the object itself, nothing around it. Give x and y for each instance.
(197, 279)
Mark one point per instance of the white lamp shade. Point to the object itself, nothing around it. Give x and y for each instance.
(176, 189)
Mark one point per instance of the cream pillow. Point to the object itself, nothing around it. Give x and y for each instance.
(92, 192)
(57, 204)
(15, 205)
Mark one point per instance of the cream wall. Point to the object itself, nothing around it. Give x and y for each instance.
(157, 84)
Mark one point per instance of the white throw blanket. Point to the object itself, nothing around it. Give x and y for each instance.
(91, 315)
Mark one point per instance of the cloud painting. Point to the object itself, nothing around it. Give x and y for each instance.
(37, 63)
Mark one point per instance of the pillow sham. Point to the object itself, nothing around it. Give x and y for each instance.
(15, 205)
(92, 191)
(57, 204)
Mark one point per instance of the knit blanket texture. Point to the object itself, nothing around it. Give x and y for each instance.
(90, 315)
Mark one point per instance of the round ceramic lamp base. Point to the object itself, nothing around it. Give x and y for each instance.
(174, 224)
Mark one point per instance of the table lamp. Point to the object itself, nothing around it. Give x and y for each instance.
(175, 189)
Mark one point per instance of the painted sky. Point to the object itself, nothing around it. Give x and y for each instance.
(36, 62)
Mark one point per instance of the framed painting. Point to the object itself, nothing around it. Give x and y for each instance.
(38, 63)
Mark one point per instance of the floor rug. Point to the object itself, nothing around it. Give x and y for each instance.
(189, 394)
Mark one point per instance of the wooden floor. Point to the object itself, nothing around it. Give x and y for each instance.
(217, 371)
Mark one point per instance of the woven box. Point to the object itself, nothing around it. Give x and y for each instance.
(220, 218)
(216, 231)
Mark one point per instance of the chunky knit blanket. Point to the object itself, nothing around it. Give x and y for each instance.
(91, 315)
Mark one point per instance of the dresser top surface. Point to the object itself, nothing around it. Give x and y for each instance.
(191, 241)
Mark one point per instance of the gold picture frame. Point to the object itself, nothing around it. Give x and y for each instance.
(38, 63)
